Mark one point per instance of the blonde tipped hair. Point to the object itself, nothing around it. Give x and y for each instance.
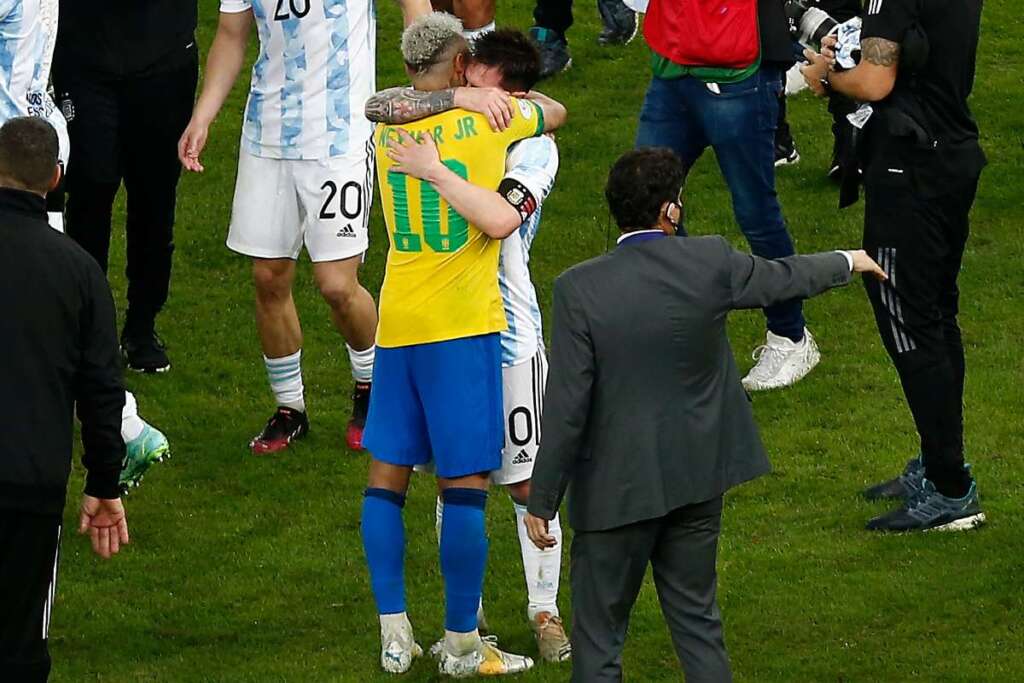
(428, 40)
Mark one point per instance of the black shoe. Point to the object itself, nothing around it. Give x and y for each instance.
(360, 407)
(929, 509)
(144, 351)
(554, 51)
(283, 427)
(620, 22)
(904, 486)
(785, 153)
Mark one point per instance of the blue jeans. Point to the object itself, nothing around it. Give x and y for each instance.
(739, 124)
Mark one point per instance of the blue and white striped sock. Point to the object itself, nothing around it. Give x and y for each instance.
(362, 363)
(285, 376)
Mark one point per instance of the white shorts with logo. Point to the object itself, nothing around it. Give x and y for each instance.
(281, 204)
(523, 390)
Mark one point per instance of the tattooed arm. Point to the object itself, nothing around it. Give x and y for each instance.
(396, 106)
(403, 105)
(870, 81)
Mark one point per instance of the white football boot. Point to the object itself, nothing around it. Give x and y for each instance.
(781, 362)
(480, 657)
(398, 648)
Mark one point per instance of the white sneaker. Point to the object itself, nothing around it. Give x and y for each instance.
(484, 659)
(398, 648)
(781, 362)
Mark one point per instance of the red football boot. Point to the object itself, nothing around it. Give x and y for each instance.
(360, 406)
(283, 427)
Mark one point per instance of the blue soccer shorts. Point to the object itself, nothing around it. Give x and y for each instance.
(439, 402)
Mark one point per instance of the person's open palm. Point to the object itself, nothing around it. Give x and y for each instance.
(416, 158)
(105, 521)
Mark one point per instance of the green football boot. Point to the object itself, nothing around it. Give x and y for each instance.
(140, 453)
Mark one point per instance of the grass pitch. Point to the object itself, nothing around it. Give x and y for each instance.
(249, 569)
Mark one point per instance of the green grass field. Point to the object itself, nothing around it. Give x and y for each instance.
(246, 569)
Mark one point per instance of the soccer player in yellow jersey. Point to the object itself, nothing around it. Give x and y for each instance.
(437, 392)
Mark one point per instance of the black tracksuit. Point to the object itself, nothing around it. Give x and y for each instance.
(58, 350)
(125, 74)
(921, 173)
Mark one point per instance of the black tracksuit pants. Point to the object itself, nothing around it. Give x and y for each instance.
(919, 241)
(127, 129)
(28, 585)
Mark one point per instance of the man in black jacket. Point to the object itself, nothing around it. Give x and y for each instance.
(922, 163)
(125, 75)
(58, 350)
(645, 417)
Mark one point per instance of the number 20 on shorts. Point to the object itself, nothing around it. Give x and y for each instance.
(403, 238)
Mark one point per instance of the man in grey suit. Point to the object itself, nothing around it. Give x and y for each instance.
(646, 419)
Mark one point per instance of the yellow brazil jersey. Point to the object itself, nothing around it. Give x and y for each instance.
(441, 278)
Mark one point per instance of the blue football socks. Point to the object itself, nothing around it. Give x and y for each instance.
(384, 545)
(463, 556)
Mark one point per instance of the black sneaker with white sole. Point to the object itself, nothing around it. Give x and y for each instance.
(904, 486)
(144, 352)
(619, 22)
(929, 510)
(554, 51)
(785, 153)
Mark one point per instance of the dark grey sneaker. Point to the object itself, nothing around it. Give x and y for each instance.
(903, 486)
(620, 22)
(554, 51)
(930, 510)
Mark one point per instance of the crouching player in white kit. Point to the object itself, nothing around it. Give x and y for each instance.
(505, 61)
(304, 178)
(28, 33)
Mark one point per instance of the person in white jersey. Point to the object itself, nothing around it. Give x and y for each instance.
(505, 61)
(28, 32)
(304, 178)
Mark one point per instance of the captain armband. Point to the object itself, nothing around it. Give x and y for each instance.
(519, 196)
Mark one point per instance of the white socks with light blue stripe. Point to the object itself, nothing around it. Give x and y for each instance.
(285, 376)
(361, 362)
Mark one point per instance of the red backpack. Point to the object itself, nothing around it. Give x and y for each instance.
(717, 33)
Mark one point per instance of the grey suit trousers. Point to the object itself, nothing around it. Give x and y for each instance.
(607, 570)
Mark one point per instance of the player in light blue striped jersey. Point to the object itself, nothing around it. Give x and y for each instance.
(305, 178)
(504, 61)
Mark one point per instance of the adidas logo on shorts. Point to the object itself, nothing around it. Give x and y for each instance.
(521, 458)
(346, 231)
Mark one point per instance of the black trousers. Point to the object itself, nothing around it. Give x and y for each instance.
(128, 130)
(606, 572)
(28, 585)
(919, 241)
(555, 15)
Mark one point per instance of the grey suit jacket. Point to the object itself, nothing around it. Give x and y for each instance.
(643, 410)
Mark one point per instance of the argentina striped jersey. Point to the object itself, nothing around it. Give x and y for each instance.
(534, 163)
(311, 80)
(28, 29)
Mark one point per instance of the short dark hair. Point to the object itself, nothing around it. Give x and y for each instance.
(28, 153)
(640, 182)
(513, 53)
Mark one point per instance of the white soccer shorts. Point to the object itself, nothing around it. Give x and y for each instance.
(523, 396)
(281, 204)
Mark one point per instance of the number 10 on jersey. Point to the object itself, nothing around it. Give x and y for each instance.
(403, 238)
